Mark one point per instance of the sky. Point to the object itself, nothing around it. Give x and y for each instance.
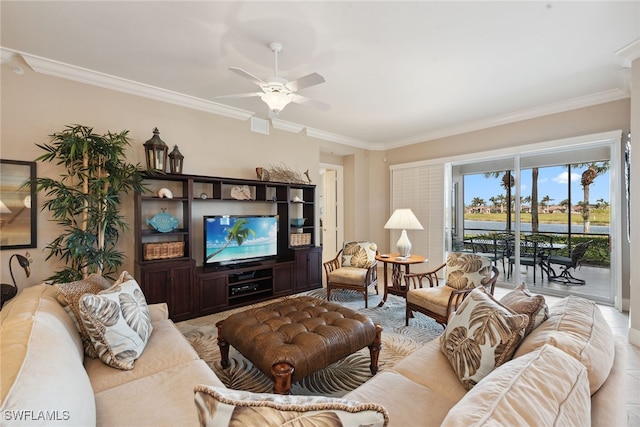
(552, 182)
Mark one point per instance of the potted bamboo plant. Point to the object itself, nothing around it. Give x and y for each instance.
(85, 200)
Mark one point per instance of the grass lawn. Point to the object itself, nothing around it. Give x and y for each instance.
(598, 217)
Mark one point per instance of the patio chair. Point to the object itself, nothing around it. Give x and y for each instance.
(571, 262)
(463, 272)
(495, 247)
(534, 250)
(354, 268)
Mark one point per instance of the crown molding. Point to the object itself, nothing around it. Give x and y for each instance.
(70, 72)
(94, 78)
(628, 54)
(532, 113)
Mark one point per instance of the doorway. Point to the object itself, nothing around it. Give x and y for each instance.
(331, 205)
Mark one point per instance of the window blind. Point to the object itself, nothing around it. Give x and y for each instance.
(421, 188)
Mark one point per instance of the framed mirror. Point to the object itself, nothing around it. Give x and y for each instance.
(18, 207)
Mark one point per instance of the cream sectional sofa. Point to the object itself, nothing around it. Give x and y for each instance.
(46, 379)
(569, 371)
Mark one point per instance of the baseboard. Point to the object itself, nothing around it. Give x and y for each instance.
(634, 337)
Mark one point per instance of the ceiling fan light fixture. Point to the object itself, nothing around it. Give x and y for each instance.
(276, 100)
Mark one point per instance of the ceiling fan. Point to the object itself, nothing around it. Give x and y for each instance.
(277, 92)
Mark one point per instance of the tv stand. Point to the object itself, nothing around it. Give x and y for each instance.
(165, 264)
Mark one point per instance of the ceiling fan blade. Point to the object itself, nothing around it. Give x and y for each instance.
(248, 75)
(301, 99)
(241, 95)
(306, 81)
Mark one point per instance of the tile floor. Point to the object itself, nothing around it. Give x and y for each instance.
(619, 323)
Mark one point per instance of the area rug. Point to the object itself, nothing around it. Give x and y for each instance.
(398, 341)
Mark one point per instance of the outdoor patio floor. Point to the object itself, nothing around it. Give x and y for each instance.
(598, 286)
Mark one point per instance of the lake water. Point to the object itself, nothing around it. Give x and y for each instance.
(526, 227)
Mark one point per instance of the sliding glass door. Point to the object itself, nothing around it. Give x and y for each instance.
(534, 212)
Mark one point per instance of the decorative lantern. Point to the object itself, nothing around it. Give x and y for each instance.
(175, 160)
(156, 152)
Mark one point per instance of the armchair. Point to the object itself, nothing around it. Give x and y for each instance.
(463, 272)
(355, 268)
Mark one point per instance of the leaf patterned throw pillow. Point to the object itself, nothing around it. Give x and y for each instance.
(359, 254)
(118, 323)
(480, 336)
(234, 408)
(467, 271)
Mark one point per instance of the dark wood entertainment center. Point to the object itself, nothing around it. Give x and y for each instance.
(190, 291)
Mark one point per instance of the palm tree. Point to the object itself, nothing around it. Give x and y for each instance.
(534, 200)
(588, 177)
(545, 201)
(477, 202)
(237, 232)
(507, 182)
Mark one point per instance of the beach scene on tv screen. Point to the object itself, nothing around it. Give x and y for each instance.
(231, 239)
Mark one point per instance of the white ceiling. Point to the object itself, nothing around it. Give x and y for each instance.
(396, 72)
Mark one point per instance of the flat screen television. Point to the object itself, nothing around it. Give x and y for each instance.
(236, 239)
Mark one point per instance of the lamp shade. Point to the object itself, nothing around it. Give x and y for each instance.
(403, 219)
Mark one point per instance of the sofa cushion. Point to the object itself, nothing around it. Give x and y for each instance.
(161, 399)
(166, 347)
(522, 301)
(42, 376)
(465, 271)
(223, 407)
(69, 295)
(359, 254)
(520, 393)
(481, 335)
(118, 323)
(577, 327)
(408, 403)
(429, 367)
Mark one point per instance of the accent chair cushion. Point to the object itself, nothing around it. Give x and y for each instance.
(433, 299)
(224, 407)
(466, 271)
(69, 295)
(522, 301)
(359, 254)
(481, 335)
(577, 327)
(118, 323)
(519, 393)
(348, 276)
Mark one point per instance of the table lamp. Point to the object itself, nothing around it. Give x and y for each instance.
(403, 219)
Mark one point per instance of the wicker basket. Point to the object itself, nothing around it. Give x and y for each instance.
(163, 250)
(300, 239)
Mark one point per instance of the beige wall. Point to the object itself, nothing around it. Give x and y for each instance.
(35, 106)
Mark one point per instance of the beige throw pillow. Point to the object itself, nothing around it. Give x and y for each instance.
(522, 301)
(69, 295)
(577, 327)
(224, 407)
(480, 336)
(519, 393)
(118, 323)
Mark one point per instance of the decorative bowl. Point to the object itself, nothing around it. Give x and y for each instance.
(298, 222)
(163, 222)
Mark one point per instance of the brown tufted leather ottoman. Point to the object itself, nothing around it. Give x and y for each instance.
(291, 339)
